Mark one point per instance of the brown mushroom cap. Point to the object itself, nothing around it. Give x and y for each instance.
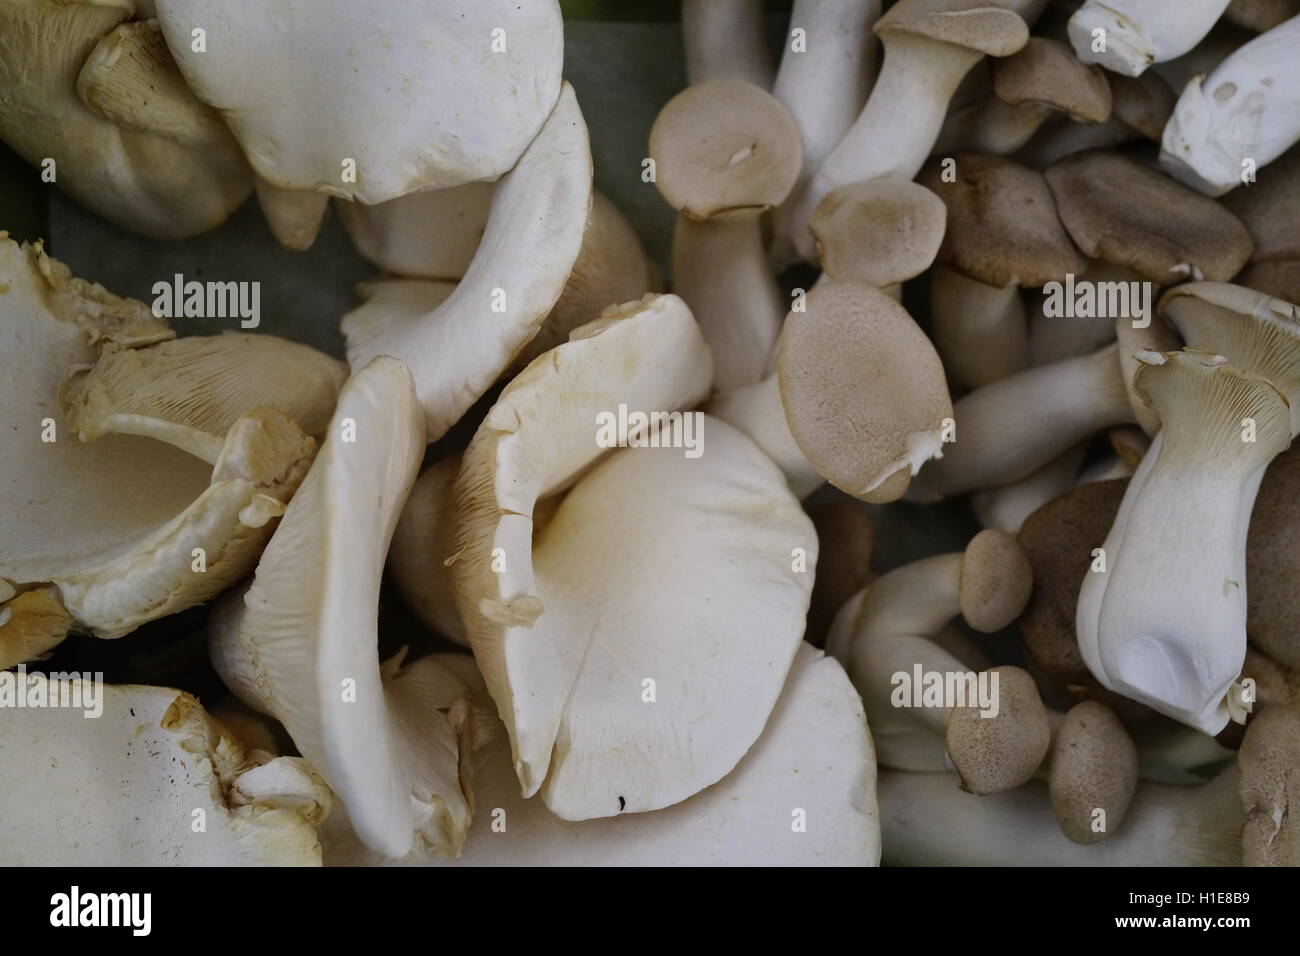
(1270, 208)
(980, 25)
(1261, 15)
(993, 754)
(1124, 213)
(1094, 767)
(1280, 279)
(864, 392)
(845, 540)
(1047, 72)
(1270, 788)
(996, 581)
(724, 145)
(1059, 539)
(880, 231)
(1003, 227)
(1143, 103)
(1273, 562)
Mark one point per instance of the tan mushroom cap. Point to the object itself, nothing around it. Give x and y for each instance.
(1280, 279)
(1273, 562)
(1261, 15)
(1094, 767)
(1003, 227)
(1124, 213)
(845, 541)
(1144, 102)
(996, 581)
(724, 145)
(997, 753)
(1270, 788)
(1270, 208)
(852, 335)
(980, 25)
(1258, 334)
(881, 231)
(1059, 539)
(1047, 72)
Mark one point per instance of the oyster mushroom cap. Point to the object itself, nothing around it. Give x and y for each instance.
(418, 96)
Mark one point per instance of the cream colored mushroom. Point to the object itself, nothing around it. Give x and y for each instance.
(1127, 36)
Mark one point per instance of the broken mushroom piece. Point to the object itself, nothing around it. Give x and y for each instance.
(1240, 118)
(99, 106)
(433, 96)
(928, 821)
(1003, 233)
(726, 40)
(1165, 622)
(725, 152)
(572, 645)
(456, 350)
(128, 787)
(424, 548)
(813, 763)
(300, 643)
(1030, 87)
(930, 46)
(1127, 36)
(1270, 778)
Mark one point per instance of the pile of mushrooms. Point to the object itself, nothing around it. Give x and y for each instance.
(582, 551)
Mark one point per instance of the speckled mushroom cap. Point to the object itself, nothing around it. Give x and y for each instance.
(845, 541)
(996, 581)
(1273, 562)
(1047, 72)
(1124, 213)
(1003, 227)
(863, 390)
(1256, 333)
(1059, 539)
(1094, 767)
(724, 145)
(994, 27)
(1270, 788)
(1144, 102)
(881, 231)
(997, 753)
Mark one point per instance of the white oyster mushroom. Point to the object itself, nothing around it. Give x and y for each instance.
(1246, 112)
(563, 620)
(104, 102)
(126, 528)
(813, 763)
(534, 234)
(301, 643)
(1133, 34)
(126, 787)
(417, 94)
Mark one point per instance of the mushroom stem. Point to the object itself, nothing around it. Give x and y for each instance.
(757, 411)
(980, 331)
(726, 39)
(1006, 508)
(1136, 33)
(928, 821)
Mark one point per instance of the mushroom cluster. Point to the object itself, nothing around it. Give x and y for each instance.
(926, 497)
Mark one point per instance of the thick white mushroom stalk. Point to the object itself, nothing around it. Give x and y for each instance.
(1165, 622)
(534, 233)
(389, 96)
(621, 689)
(130, 785)
(100, 519)
(1127, 36)
(1240, 118)
(301, 643)
(813, 765)
(98, 103)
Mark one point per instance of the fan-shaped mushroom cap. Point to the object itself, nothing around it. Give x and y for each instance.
(866, 441)
(1123, 213)
(458, 349)
(1047, 73)
(996, 753)
(996, 580)
(1094, 767)
(1003, 227)
(1270, 781)
(122, 789)
(139, 149)
(881, 231)
(417, 96)
(722, 146)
